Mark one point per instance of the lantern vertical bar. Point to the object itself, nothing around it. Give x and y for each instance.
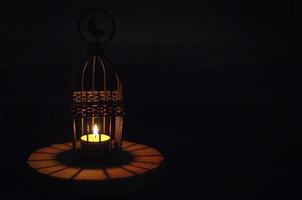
(121, 141)
(118, 115)
(74, 134)
(82, 126)
(87, 132)
(113, 130)
(82, 96)
(92, 85)
(99, 113)
(104, 91)
(87, 116)
(93, 72)
(100, 138)
(92, 122)
(109, 130)
(104, 125)
(110, 121)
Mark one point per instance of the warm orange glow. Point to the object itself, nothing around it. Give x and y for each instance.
(45, 161)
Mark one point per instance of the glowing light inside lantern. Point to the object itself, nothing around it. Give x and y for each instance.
(95, 137)
(95, 131)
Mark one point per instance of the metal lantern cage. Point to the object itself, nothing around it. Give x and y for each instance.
(97, 103)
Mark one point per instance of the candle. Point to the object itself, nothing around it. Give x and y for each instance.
(95, 136)
(94, 145)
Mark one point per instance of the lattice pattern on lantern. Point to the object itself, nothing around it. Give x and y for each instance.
(93, 103)
(94, 96)
(97, 107)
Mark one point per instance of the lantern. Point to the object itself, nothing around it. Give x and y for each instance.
(97, 125)
(97, 96)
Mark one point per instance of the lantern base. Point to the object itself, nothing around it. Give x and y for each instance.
(93, 151)
(53, 170)
(101, 157)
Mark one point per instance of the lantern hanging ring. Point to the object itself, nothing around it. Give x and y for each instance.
(87, 27)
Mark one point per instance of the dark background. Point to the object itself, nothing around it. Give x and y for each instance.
(211, 84)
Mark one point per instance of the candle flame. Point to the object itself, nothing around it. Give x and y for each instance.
(95, 131)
